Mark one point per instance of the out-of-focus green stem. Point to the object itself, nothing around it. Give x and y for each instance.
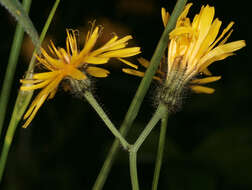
(11, 67)
(139, 96)
(22, 102)
(160, 152)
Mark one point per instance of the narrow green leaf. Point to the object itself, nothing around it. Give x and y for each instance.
(11, 67)
(17, 10)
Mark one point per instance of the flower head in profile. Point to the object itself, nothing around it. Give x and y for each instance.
(193, 46)
(70, 63)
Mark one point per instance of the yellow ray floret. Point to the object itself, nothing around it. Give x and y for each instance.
(74, 64)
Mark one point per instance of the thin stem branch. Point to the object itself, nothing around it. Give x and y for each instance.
(133, 170)
(160, 152)
(161, 110)
(92, 101)
(139, 96)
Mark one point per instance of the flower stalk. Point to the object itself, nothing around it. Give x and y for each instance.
(92, 101)
(161, 146)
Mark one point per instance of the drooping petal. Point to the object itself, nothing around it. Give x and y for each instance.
(34, 111)
(222, 50)
(95, 60)
(133, 72)
(97, 72)
(202, 89)
(204, 66)
(205, 80)
(144, 62)
(128, 63)
(126, 52)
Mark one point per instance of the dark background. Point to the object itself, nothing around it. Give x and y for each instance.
(209, 142)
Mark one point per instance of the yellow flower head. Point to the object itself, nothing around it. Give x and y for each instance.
(193, 46)
(70, 63)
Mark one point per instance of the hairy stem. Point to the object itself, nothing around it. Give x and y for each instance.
(160, 152)
(133, 170)
(92, 101)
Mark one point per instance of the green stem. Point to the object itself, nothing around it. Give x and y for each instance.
(139, 96)
(11, 67)
(21, 104)
(160, 152)
(161, 110)
(92, 101)
(133, 170)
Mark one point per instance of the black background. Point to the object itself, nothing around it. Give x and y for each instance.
(209, 142)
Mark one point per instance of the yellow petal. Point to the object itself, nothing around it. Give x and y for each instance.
(71, 41)
(213, 32)
(126, 52)
(39, 100)
(45, 75)
(52, 94)
(226, 38)
(55, 50)
(57, 63)
(205, 20)
(207, 72)
(29, 81)
(222, 50)
(204, 66)
(128, 63)
(97, 72)
(222, 34)
(35, 86)
(165, 16)
(205, 80)
(95, 60)
(144, 62)
(202, 89)
(181, 30)
(77, 74)
(38, 105)
(133, 72)
(184, 13)
(45, 63)
(139, 74)
(90, 42)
